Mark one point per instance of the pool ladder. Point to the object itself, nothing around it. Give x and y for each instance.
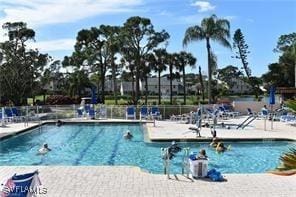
(166, 161)
(185, 161)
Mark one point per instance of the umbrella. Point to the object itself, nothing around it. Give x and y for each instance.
(93, 96)
(272, 95)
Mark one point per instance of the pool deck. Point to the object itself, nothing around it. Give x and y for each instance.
(169, 130)
(131, 181)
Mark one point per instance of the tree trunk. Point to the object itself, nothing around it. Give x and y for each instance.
(114, 80)
(184, 85)
(138, 65)
(44, 98)
(202, 85)
(98, 86)
(209, 71)
(133, 86)
(159, 89)
(102, 85)
(146, 90)
(171, 84)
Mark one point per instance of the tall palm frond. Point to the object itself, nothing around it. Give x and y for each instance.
(195, 33)
(288, 160)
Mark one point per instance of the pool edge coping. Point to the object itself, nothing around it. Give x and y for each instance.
(146, 129)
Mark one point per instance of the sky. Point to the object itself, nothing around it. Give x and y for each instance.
(57, 22)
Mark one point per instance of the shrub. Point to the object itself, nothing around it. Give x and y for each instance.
(291, 104)
(60, 100)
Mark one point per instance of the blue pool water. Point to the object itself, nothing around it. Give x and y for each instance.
(103, 144)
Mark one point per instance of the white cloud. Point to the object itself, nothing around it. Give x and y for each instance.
(230, 18)
(41, 12)
(54, 45)
(203, 6)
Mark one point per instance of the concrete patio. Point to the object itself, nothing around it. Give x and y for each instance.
(131, 181)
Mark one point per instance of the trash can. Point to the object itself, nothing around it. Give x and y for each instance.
(198, 168)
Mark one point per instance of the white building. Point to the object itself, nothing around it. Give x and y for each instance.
(177, 86)
(240, 86)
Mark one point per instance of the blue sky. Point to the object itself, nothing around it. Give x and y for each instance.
(57, 22)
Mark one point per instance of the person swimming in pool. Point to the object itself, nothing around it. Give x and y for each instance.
(44, 149)
(128, 135)
(214, 142)
(220, 147)
(202, 155)
(59, 123)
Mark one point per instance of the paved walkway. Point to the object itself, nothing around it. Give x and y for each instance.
(130, 181)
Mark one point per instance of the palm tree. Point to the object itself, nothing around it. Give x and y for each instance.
(172, 61)
(149, 63)
(185, 59)
(160, 66)
(111, 36)
(288, 160)
(211, 28)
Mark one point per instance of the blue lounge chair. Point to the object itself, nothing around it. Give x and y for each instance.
(155, 113)
(8, 114)
(21, 185)
(250, 112)
(130, 112)
(92, 113)
(263, 114)
(86, 108)
(144, 113)
(79, 113)
(17, 114)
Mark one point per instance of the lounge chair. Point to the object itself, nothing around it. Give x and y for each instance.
(8, 114)
(17, 114)
(21, 185)
(79, 113)
(130, 112)
(144, 112)
(250, 112)
(91, 113)
(229, 110)
(263, 114)
(155, 113)
(288, 118)
(86, 108)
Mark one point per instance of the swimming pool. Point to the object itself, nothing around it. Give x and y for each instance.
(103, 144)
